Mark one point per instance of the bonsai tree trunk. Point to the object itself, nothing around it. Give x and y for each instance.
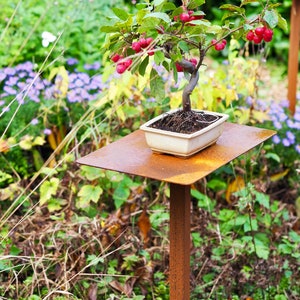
(190, 68)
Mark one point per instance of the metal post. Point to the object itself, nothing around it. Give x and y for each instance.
(293, 54)
(180, 211)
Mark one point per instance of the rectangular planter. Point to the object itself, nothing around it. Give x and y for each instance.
(181, 144)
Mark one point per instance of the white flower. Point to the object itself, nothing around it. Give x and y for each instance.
(48, 38)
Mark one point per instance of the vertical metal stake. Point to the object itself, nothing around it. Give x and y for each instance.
(180, 211)
(293, 54)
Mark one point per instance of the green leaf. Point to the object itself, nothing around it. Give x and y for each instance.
(262, 245)
(262, 199)
(92, 173)
(157, 85)
(88, 193)
(143, 66)
(108, 29)
(183, 46)
(271, 18)
(245, 2)
(158, 2)
(159, 15)
(233, 8)
(282, 23)
(47, 189)
(120, 13)
(159, 57)
(195, 3)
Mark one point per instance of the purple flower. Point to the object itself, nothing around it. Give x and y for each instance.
(34, 121)
(249, 100)
(5, 109)
(291, 137)
(9, 90)
(276, 139)
(2, 76)
(9, 71)
(12, 80)
(94, 66)
(297, 148)
(72, 61)
(47, 131)
(27, 66)
(286, 142)
(277, 125)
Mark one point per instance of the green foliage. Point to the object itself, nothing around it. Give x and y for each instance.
(22, 25)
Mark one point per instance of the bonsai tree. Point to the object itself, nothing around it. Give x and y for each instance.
(178, 38)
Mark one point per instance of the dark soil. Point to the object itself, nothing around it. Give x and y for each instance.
(185, 121)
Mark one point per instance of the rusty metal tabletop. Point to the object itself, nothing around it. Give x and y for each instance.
(131, 155)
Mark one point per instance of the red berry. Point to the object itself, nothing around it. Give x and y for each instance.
(150, 53)
(190, 12)
(199, 17)
(250, 35)
(260, 31)
(128, 63)
(194, 61)
(143, 42)
(179, 67)
(136, 46)
(257, 39)
(149, 40)
(213, 41)
(219, 46)
(268, 35)
(184, 17)
(121, 68)
(116, 57)
(224, 42)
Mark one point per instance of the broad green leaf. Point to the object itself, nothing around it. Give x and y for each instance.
(158, 2)
(159, 57)
(183, 46)
(92, 173)
(233, 8)
(56, 204)
(157, 85)
(262, 245)
(271, 18)
(47, 189)
(282, 22)
(120, 13)
(273, 156)
(26, 142)
(38, 141)
(109, 29)
(159, 15)
(262, 199)
(87, 194)
(195, 3)
(143, 66)
(245, 2)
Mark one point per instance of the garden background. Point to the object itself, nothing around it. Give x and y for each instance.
(71, 232)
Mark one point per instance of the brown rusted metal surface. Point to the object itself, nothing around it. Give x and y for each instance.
(180, 211)
(132, 155)
(293, 54)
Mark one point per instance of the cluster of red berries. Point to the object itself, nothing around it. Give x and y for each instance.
(219, 46)
(142, 43)
(259, 34)
(122, 64)
(188, 16)
(179, 67)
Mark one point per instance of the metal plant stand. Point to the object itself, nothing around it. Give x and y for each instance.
(131, 155)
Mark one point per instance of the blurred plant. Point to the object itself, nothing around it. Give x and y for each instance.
(180, 37)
